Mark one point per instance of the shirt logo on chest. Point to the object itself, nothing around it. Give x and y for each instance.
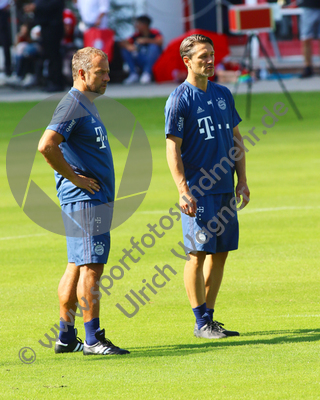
(101, 137)
(221, 103)
(200, 110)
(206, 126)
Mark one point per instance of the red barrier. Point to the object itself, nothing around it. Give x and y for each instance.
(170, 67)
(102, 39)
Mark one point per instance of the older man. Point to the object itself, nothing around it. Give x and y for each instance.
(75, 144)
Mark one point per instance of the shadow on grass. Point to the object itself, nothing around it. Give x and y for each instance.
(204, 346)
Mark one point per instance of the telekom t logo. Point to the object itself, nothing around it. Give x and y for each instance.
(100, 137)
(206, 127)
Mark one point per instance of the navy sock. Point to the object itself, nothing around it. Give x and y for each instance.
(210, 312)
(69, 336)
(91, 328)
(201, 316)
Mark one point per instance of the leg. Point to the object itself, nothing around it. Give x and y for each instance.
(213, 274)
(195, 287)
(147, 59)
(307, 52)
(152, 54)
(5, 39)
(307, 26)
(89, 276)
(51, 38)
(95, 343)
(129, 59)
(193, 279)
(214, 263)
(67, 291)
(90, 253)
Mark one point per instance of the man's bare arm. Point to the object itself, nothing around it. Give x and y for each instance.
(188, 206)
(49, 148)
(146, 40)
(240, 165)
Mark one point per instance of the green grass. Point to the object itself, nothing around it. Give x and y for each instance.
(270, 290)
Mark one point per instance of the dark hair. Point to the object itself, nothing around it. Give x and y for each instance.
(187, 45)
(144, 19)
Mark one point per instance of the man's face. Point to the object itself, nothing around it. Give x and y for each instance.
(202, 60)
(141, 27)
(98, 77)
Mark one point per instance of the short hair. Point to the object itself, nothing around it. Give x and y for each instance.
(144, 19)
(187, 45)
(82, 59)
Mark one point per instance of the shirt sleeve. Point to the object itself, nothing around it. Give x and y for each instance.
(155, 33)
(236, 119)
(175, 114)
(64, 119)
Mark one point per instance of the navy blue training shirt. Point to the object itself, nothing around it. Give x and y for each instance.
(85, 147)
(204, 121)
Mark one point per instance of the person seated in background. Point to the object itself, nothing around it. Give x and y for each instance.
(93, 13)
(27, 51)
(141, 51)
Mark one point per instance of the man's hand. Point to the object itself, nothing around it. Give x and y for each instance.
(187, 204)
(84, 182)
(143, 40)
(131, 47)
(243, 191)
(49, 148)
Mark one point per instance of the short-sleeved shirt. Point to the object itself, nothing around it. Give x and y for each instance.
(153, 34)
(85, 148)
(204, 121)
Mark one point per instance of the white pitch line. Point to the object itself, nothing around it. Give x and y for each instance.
(245, 211)
(259, 210)
(296, 316)
(22, 236)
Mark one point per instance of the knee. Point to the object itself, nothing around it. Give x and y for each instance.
(196, 260)
(223, 257)
(93, 271)
(126, 53)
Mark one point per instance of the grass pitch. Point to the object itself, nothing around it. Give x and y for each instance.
(270, 291)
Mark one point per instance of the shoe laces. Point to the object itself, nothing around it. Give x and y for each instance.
(107, 342)
(218, 326)
(79, 340)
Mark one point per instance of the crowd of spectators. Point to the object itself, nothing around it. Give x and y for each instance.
(49, 34)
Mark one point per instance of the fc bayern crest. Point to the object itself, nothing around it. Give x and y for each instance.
(221, 103)
(99, 248)
(201, 237)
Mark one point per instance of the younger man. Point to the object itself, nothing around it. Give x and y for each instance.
(202, 133)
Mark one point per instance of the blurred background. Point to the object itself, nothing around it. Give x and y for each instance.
(39, 38)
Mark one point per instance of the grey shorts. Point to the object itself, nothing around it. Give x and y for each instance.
(310, 23)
